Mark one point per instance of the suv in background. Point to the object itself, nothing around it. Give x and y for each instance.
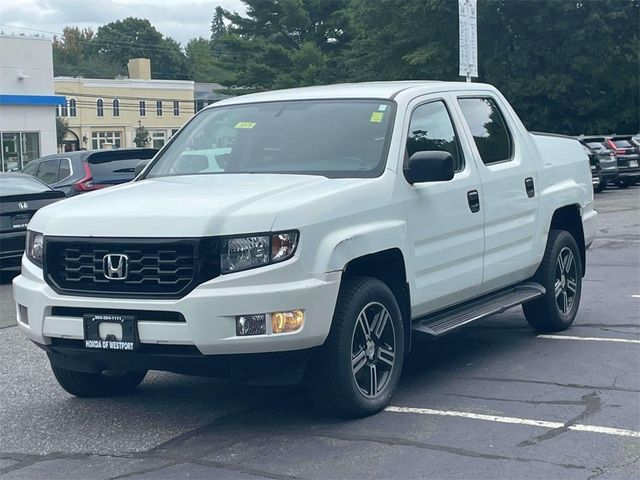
(594, 164)
(607, 170)
(628, 159)
(86, 170)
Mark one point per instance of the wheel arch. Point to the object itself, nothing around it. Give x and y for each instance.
(389, 267)
(568, 218)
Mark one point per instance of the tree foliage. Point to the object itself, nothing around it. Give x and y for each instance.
(284, 43)
(570, 66)
(62, 127)
(142, 137)
(131, 37)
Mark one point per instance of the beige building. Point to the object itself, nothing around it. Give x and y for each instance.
(104, 113)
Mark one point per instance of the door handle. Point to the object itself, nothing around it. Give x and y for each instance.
(530, 187)
(474, 200)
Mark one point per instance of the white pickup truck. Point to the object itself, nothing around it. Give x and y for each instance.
(309, 233)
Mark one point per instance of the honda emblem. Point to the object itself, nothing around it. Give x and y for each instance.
(115, 266)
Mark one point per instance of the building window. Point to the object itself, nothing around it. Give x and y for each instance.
(100, 107)
(17, 149)
(158, 139)
(159, 108)
(73, 110)
(116, 107)
(176, 108)
(64, 110)
(143, 108)
(98, 139)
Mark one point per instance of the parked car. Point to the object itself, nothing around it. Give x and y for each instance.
(595, 169)
(337, 222)
(628, 156)
(87, 170)
(607, 169)
(20, 197)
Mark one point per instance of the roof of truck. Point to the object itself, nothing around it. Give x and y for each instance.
(380, 90)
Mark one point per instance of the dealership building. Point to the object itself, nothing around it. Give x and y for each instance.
(27, 102)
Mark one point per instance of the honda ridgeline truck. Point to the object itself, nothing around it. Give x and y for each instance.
(310, 233)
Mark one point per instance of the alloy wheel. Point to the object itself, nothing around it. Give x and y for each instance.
(373, 349)
(566, 280)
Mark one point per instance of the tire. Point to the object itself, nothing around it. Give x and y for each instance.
(557, 309)
(340, 375)
(82, 384)
(601, 186)
(622, 183)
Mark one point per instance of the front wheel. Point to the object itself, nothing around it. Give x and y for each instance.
(359, 366)
(560, 273)
(103, 384)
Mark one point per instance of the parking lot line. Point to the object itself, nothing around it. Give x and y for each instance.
(635, 296)
(589, 339)
(516, 421)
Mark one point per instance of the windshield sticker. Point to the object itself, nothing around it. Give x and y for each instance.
(376, 117)
(382, 108)
(245, 125)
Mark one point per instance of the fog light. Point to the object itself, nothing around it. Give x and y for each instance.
(287, 321)
(251, 325)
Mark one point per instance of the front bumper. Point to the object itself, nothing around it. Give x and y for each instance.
(208, 311)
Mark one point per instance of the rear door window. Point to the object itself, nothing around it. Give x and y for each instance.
(48, 171)
(113, 167)
(489, 129)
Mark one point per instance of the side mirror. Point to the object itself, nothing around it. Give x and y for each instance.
(429, 166)
(140, 166)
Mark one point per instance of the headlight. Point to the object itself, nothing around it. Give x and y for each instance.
(35, 247)
(251, 251)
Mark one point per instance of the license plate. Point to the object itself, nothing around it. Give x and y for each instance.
(633, 163)
(105, 331)
(20, 221)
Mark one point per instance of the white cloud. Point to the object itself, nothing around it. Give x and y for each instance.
(181, 20)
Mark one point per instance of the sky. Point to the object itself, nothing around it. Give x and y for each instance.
(179, 19)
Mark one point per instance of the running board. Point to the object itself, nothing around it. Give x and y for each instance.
(443, 322)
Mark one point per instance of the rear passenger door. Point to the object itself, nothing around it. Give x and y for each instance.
(509, 191)
(444, 223)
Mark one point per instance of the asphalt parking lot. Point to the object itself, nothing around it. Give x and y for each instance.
(493, 400)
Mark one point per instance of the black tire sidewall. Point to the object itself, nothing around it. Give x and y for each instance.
(557, 320)
(333, 367)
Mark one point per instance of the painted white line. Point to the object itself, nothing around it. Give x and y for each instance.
(515, 421)
(635, 296)
(589, 339)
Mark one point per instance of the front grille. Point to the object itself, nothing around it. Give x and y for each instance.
(155, 267)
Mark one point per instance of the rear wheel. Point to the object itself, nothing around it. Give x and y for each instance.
(359, 366)
(624, 183)
(560, 273)
(103, 384)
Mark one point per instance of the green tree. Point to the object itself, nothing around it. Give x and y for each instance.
(403, 40)
(62, 127)
(218, 28)
(201, 63)
(73, 56)
(142, 137)
(569, 67)
(284, 43)
(131, 37)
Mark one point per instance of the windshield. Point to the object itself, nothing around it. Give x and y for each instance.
(334, 138)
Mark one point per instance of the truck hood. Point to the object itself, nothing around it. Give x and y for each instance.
(185, 206)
